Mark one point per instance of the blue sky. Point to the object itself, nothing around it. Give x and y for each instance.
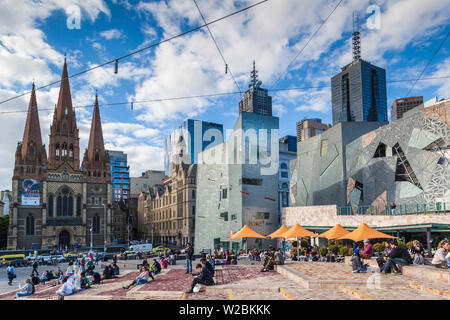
(34, 38)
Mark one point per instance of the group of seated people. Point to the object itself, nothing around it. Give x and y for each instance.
(394, 255)
(272, 258)
(146, 271)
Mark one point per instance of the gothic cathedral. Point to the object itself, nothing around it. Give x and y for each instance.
(55, 201)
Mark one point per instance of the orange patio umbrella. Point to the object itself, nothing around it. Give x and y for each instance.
(336, 232)
(365, 232)
(297, 231)
(279, 232)
(246, 232)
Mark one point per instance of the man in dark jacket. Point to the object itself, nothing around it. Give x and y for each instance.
(208, 266)
(205, 277)
(398, 255)
(381, 260)
(189, 255)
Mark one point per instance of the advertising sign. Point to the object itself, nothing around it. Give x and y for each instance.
(31, 192)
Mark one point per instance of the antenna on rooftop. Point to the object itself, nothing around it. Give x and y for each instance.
(356, 39)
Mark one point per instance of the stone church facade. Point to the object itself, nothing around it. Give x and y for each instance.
(55, 201)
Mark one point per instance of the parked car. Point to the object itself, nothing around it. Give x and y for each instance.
(58, 259)
(44, 258)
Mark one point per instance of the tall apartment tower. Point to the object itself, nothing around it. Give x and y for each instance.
(120, 176)
(256, 99)
(402, 105)
(358, 92)
(308, 128)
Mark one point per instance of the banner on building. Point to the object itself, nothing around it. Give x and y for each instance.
(31, 192)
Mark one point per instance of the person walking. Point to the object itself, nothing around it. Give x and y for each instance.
(189, 255)
(11, 272)
(35, 268)
(393, 206)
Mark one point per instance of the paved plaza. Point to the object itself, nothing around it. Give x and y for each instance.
(292, 281)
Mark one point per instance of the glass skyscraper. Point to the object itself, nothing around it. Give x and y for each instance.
(120, 176)
(358, 93)
(192, 137)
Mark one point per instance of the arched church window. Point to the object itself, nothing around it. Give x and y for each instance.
(29, 225)
(78, 206)
(50, 206)
(71, 151)
(64, 204)
(31, 151)
(57, 150)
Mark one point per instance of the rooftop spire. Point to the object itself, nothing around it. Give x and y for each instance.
(356, 40)
(96, 144)
(32, 132)
(64, 105)
(254, 76)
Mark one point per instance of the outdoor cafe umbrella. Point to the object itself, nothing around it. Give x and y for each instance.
(246, 232)
(365, 232)
(336, 232)
(297, 231)
(278, 232)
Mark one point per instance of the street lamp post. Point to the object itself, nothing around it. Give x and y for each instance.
(92, 230)
(104, 210)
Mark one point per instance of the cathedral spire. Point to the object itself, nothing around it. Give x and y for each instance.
(64, 141)
(32, 132)
(64, 105)
(96, 161)
(31, 157)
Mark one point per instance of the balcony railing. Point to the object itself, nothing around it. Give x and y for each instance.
(401, 209)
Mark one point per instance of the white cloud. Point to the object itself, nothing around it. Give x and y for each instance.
(112, 34)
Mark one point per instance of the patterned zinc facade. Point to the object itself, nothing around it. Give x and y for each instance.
(406, 162)
(55, 201)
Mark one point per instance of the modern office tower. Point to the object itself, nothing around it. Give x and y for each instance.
(120, 176)
(308, 128)
(190, 138)
(256, 99)
(5, 197)
(401, 105)
(358, 92)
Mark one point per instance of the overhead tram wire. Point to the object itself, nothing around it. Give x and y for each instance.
(115, 60)
(227, 66)
(211, 95)
(429, 62)
(307, 43)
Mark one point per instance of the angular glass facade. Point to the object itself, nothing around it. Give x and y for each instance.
(358, 93)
